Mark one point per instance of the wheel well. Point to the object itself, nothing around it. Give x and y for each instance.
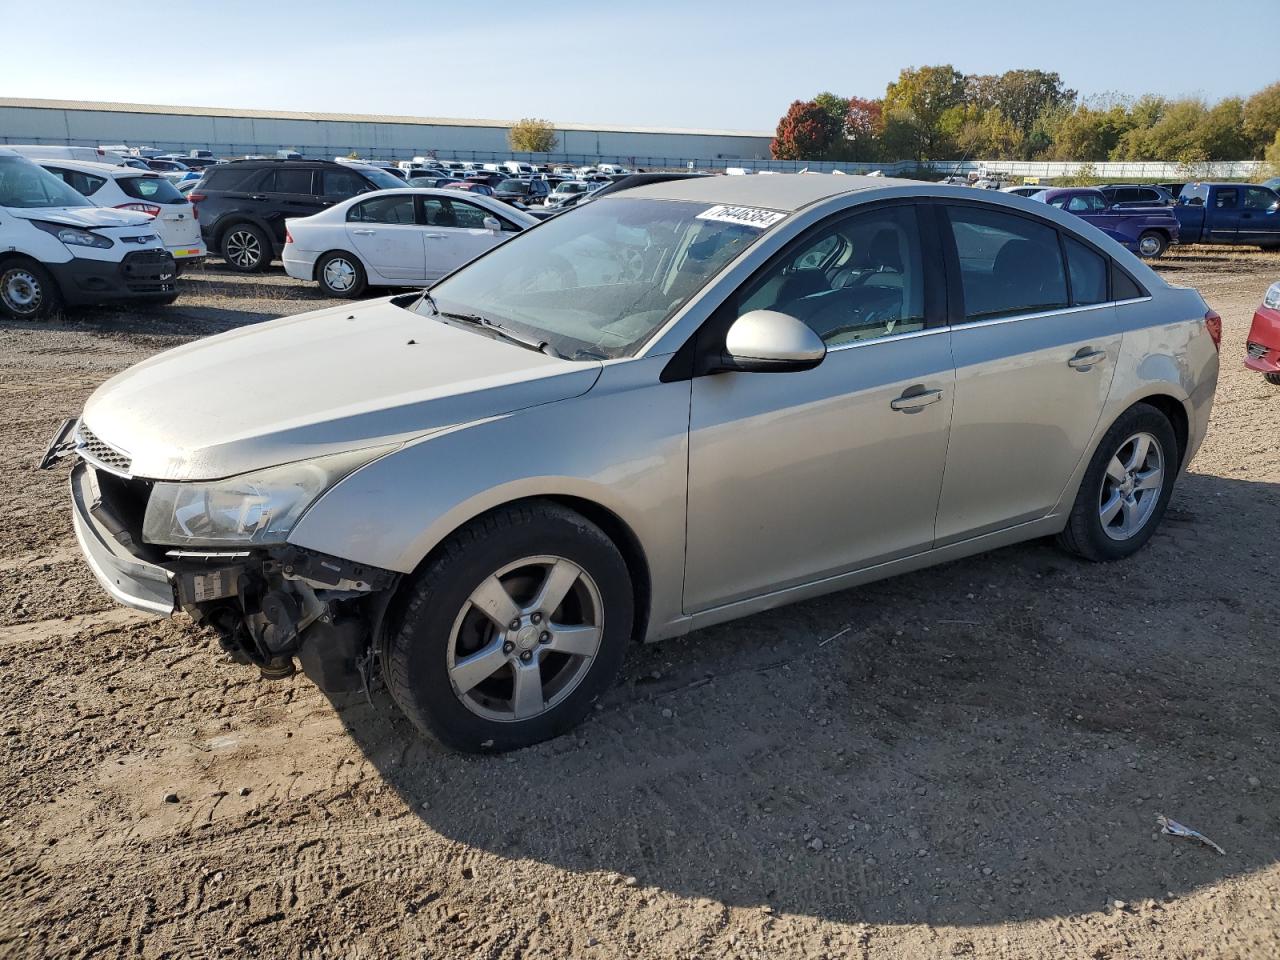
(238, 222)
(614, 527)
(315, 267)
(1176, 414)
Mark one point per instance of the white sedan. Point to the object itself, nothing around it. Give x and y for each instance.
(396, 238)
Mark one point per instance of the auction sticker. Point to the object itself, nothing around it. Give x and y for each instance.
(743, 216)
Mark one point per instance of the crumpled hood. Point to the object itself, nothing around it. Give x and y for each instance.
(316, 383)
(84, 217)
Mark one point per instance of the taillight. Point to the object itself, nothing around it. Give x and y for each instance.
(1213, 323)
(195, 197)
(288, 237)
(149, 209)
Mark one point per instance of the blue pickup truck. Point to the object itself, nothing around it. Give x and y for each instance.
(1236, 213)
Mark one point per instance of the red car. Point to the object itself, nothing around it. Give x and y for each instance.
(1264, 337)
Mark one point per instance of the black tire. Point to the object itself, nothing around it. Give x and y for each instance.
(359, 282)
(245, 248)
(28, 291)
(1272, 378)
(167, 301)
(416, 649)
(1152, 245)
(1085, 535)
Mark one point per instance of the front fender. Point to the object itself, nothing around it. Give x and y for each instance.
(623, 445)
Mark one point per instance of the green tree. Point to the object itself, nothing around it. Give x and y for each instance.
(531, 135)
(915, 104)
(1262, 117)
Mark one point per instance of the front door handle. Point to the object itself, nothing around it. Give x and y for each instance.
(1086, 361)
(913, 402)
(364, 233)
(433, 236)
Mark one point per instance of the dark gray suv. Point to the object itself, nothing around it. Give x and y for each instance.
(242, 205)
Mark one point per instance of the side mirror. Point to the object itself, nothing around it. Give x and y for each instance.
(765, 341)
(492, 225)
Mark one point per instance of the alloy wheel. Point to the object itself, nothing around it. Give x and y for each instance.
(1131, 486)
(21, 291)
(525, 638)
(243, 248)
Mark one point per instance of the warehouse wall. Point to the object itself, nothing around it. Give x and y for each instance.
(233, 135)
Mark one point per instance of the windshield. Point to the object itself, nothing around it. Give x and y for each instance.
(23, 184)
(599, 282)
(381, 179)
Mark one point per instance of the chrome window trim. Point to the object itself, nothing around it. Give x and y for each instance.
(1060, 312)
(908, 335)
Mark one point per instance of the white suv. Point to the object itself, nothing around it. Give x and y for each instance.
(128, 189)
(56, 247)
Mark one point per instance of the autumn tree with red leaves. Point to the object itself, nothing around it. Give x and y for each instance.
(805, 133)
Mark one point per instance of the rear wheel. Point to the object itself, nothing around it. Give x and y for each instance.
(27, 291)
(246, 248)
(1126, 488)
(1273, 378)
(513, 630)
(1152, 245)
(340, 274)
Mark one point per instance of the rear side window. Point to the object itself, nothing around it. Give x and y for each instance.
(342, 184)
(1088, 271)
(1227, 198)
(287, 181)
(1255, 198)
(229, 177)
(394, 209)
(1008, 264)
(1123, 286)
(83, 183)
(154, 189)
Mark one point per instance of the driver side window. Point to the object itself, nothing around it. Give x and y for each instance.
(860, 279)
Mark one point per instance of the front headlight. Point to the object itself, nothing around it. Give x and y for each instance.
(1272, 299)
(251, 509)
(74, 236)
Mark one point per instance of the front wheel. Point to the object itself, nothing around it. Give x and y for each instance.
(1152, 245)
(341, 274)
(1272, 378)
(1125, 489)
(27, 291)
(512, 631)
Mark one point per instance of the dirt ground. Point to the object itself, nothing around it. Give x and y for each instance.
(966, 761)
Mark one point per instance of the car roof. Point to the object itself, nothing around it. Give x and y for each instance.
(784, 191)
(89, 166)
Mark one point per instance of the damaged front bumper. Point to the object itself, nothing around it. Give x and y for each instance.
(267, 604)
(132, 580)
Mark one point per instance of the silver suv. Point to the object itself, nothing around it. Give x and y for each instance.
(680, 404)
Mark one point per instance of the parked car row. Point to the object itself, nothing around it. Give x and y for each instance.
(58, 247)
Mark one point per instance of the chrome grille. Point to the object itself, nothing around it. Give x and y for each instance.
(1257, 350)
(94, 450)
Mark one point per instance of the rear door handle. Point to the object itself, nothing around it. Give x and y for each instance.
(910, 403)
(433, 236)
(1085, 361)
(364, 233)
(257, 196)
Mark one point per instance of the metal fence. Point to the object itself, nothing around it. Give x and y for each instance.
(1129, 169)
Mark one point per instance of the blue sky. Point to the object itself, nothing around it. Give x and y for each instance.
(734, 64)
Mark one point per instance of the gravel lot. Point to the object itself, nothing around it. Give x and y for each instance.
(971, 766)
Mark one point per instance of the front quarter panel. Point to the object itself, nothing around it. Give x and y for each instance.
(623, 446)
